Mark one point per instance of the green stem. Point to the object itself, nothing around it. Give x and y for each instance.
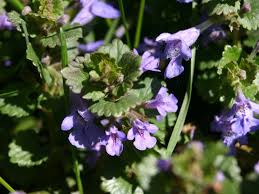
(64, 62)
(77, 173)
(6, 185)
(184, 109)
(16, 4)
(111, 31)
(204, 25)
(124, 22)
(139, 25)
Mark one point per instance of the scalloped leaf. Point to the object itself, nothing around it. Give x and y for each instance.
(72, 34)
(226, 8)
(115, 50)
(12, 110)
(51, 9)
(116, 186)
(26, 151)
(250, 20)
(75, 76)
(231, 54)
(94, 96)
(134, 97)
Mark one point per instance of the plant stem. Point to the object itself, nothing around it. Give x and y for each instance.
(16, 4)
(6, 185)
(111, 31)
(139, 25)
(184, 109)
(64, 63)
(124, 22)
(77, 173)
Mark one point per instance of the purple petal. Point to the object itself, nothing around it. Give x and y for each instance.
(104, 10)
(163, 37)
(149, 140)
(67, 123)
(184, 1)
(130, 135)
(186, 52)
(174, 68)
(90, 47)
(83, 17)
(139, 143)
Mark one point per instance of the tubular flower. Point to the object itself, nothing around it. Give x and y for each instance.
(85, 133)
(90, 47)
(92, 8)
(163, 102)
(114, 140)
(140, 131)
(178, 48)
(235, 123)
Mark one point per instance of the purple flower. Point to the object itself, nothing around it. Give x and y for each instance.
(213, 34)
(256, 168)
(92, 8)
(178, 48)
(235, 123)
(163, 102)
(184, 1)
(85, 134)
(140, 131)
(114, 140)
(164, 165)
(90, 47)
(5, 23)
(149, 62)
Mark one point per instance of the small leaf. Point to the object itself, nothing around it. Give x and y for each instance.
(115, 50)
(229, 55)
(133, 98)
(71, 33)
(250, 20)
(116, 186)
(94, 96)
(75, 77)
(25, 150)
(51, 9)
(12, 110)
(226, 9)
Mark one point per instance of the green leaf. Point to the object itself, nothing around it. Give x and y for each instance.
(133, 98)
(129, 64)
(226, 8)
(231, 54)
(115, 50)
(16, 20)
(146, 170)
(71, 33)
(32, 56)
(94, 96)
(250, 20)
(75, 76)
(51, 9)
(183, 111)
(252, 38)
(116, 186)
(12, 110)
(25, 150)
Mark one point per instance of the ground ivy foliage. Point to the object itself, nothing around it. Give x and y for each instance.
(125, 101)
(109, 78)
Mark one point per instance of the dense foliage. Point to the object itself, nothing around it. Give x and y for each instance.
(129, 96)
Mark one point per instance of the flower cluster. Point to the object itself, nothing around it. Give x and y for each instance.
(173, 47)
(88, 134)
(234, 124)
